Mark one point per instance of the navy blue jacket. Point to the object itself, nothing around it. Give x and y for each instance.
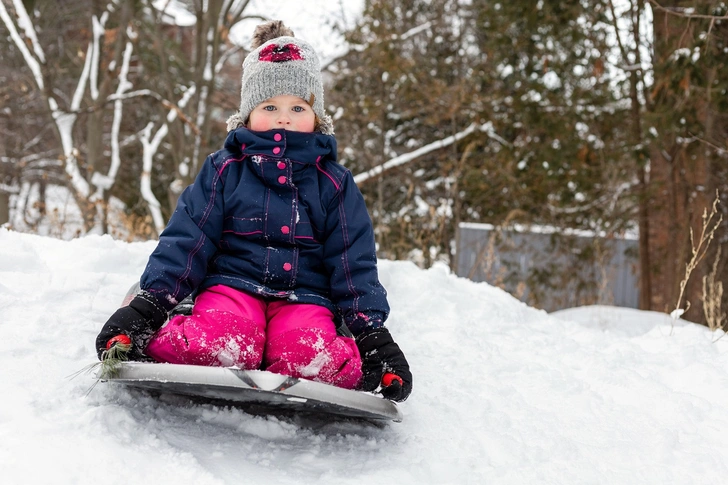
(273, 214)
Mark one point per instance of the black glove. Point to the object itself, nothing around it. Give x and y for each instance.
(382, 357)
(138, 321)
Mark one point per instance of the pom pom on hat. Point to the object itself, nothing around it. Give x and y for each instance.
(269, 31)
(280, 64)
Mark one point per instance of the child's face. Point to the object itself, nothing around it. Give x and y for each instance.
(285, 111)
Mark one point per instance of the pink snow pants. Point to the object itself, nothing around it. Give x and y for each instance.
(232, 328)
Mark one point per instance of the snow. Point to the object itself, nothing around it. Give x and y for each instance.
(503, 393)
(175, 13)
(546, 229)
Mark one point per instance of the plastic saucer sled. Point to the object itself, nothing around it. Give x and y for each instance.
(261, 391)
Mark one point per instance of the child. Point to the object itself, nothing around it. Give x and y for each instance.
(274, 240)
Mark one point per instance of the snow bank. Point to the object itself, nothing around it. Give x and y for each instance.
(503, 393)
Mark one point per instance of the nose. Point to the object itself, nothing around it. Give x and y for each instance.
(283, 118)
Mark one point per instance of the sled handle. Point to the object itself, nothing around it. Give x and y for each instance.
(389, 378)
(120, 339)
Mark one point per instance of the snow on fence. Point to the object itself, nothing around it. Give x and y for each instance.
(551, 268)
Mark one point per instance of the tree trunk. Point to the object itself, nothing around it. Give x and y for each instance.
(679, 184)
(4, 207)
(4, 196)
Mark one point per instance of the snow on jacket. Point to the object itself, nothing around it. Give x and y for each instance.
(273, 214)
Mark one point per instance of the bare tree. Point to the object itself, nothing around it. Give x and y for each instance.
(130, 55)
(88, 191)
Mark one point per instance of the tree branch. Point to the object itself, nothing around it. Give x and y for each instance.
(362, 47)
(408, 157)
(685, 12)
(165, 102)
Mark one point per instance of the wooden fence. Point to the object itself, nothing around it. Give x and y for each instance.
(551, 268)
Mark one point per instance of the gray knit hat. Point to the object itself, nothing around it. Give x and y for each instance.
(280, 64)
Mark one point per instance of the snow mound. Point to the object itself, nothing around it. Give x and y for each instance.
(503, 393)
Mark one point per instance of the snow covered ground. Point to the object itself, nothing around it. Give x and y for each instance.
(504, 394)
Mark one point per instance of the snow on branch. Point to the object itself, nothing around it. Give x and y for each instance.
(408, 157)
(9, 189)
(25, 23)
(150, 149)
(412, 32)
(99, 29)
(165, 102)
(31, 61)
(83, 78)
(104, 182)
(91, 64)
(150, 146)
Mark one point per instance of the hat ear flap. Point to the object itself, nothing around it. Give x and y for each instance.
(235, 122)
(326, 125)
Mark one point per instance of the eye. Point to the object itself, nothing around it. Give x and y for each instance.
(269, 107)
(299, 109)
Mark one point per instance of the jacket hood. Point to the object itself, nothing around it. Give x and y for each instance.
(301, 147)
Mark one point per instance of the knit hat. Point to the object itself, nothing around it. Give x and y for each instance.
(280, 64)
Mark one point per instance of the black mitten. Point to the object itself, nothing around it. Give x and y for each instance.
(384, 364)
(138, 321)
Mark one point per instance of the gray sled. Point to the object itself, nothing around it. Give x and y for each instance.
(257, 390)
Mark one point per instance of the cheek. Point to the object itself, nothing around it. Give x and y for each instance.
(308, 123)
(258, 122)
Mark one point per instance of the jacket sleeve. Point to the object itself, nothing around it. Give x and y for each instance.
(351, 260)
(179, 263)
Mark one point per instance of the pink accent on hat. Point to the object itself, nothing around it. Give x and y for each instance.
(280, 53)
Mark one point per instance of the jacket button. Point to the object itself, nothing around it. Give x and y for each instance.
(277, 137)
(281, 179)
(276, 150)
(281, 165)
(287, 266)
(285, 229)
